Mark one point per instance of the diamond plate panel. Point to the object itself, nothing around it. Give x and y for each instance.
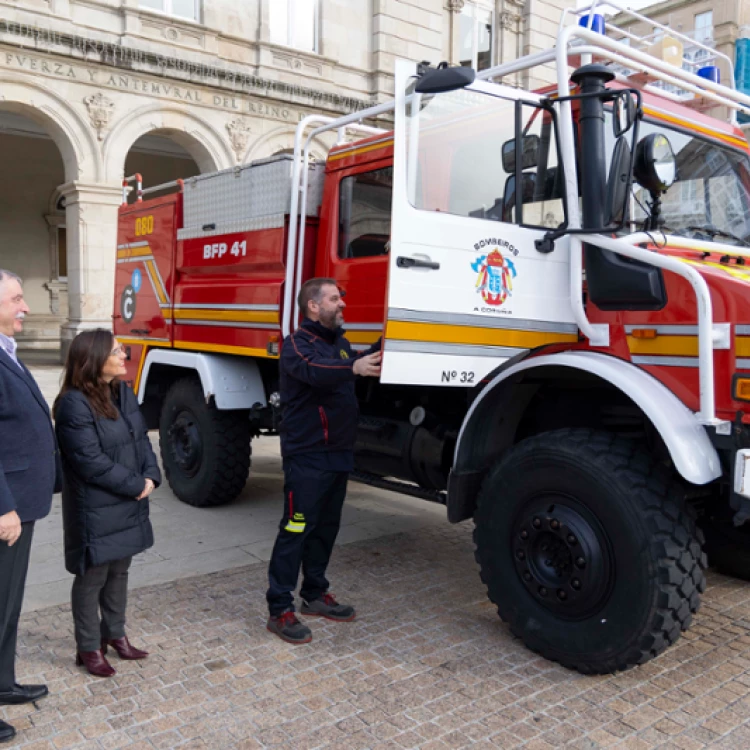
(259, 189)
(274, 221)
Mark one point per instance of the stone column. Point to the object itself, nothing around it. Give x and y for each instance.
(454, 8)
(91, 221)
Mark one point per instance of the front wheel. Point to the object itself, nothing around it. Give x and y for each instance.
(589, 550)
(205, 451)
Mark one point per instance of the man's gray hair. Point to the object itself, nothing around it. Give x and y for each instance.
(5, 275)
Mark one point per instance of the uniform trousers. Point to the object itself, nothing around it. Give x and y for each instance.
(313, 500)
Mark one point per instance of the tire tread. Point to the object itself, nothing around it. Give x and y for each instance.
(676, 541)
(230, 434)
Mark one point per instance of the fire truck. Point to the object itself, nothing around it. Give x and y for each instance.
(560, 282)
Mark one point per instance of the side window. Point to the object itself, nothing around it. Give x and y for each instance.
(541, 176)
(487, 157)
(365, 213)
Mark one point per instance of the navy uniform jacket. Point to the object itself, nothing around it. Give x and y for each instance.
(320, 410)
(29, 461)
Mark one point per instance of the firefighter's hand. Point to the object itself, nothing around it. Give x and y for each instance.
(368, 366)
(10, 527)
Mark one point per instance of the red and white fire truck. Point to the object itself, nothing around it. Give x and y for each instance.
(561, 285)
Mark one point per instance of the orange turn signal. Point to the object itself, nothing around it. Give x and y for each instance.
(741, 387)
(644, 333)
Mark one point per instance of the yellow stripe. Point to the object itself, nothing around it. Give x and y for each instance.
(139, 252)
(363, 337)
(228, 315)
(156, 281)
(140, 368)
(743, 274)
(684, 346)
(144, 342)
(123, 254)
(361, 150)
(222, 349)
(294, 527)
(691, 125)
(451, 334)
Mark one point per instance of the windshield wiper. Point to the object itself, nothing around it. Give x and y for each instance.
(713, 231)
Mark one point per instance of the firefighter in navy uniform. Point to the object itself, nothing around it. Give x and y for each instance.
(318, 430)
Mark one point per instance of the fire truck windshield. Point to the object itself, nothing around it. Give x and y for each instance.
(710, 197)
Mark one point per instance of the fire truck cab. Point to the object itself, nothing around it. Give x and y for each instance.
(559, 283)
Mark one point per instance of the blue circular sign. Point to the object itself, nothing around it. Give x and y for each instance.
(136, 281)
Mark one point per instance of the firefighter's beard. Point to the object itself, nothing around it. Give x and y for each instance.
(332, 319)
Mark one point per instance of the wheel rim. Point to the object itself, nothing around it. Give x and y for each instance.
(563, 556)
(186, 444)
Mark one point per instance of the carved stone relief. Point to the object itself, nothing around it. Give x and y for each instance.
(239, 136)
(100, 109)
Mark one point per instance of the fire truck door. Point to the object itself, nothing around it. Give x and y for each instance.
(144, 278)
(467, 288)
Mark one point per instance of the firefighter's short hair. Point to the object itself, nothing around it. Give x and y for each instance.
(312, 290)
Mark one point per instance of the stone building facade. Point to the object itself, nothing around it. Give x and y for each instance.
(92, 90)
(722, 25)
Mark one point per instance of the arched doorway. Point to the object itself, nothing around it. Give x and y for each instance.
(32, 226)
(159, 159)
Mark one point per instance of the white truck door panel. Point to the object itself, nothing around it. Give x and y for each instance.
(467, 291)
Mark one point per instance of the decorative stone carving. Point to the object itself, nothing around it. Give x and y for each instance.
(54, 288)
(172, 34)
(100, 108)
(508, 20)
(455, 6)
(239, 136)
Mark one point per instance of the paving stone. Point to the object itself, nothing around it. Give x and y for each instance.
(452, 678)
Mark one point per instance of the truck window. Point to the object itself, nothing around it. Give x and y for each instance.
(466, 166)
(365, 213)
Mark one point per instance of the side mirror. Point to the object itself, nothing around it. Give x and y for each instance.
(655, 163)
(615, 208)
(444, 78)
(623, 111)
(529, 157)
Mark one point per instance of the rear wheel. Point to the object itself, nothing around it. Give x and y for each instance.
(206, 452)
(589, 550)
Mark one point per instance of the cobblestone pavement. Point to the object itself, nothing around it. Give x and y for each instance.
(428, 664)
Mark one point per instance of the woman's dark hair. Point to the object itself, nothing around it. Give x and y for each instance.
(86, 358)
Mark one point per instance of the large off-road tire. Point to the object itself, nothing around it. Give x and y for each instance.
(727, 546)
(205, 451)
(589, 550)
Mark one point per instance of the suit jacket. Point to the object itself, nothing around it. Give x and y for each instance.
(29, 461)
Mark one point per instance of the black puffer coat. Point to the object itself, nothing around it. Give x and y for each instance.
(105, 466)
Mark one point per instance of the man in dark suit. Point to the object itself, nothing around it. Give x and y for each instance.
(29, 474)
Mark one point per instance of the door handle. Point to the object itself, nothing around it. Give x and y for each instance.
(404, 261)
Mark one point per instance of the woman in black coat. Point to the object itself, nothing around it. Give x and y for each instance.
(109, 470)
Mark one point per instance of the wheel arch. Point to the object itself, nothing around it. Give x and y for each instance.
(231, 382)
(483, 436)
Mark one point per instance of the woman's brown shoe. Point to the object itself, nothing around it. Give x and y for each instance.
(95, 663)
(125, 649)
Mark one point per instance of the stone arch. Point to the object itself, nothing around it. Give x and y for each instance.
(74, 139)
(281, 140)
(193, 133)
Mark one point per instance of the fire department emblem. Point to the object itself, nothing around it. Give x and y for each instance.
(495, 276)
